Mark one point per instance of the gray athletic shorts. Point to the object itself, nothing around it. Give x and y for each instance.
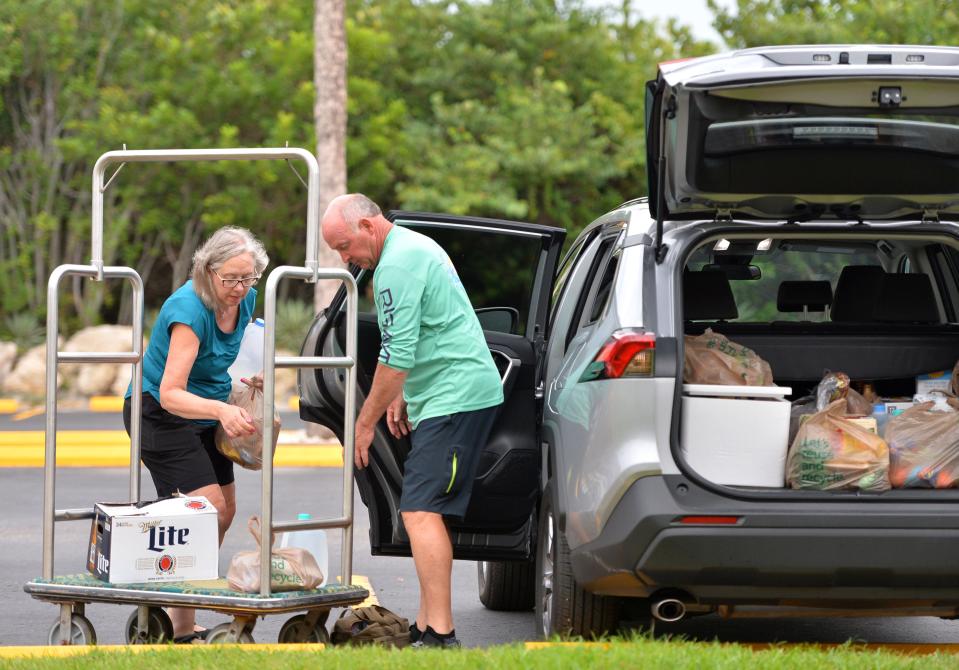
(442, 464)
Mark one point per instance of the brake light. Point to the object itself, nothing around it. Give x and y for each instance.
(629, 352)
(710, 520)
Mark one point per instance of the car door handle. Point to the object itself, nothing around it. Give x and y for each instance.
(512, 364)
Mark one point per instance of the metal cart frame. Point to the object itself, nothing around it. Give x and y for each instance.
(146, 625)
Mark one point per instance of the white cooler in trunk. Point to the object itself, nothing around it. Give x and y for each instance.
(736, 435)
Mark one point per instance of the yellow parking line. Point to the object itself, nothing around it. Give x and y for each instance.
(361, 580)
(106, 403)
(111, 448)
(114, 403)
(8, 405)
(77, 650)
(27, 413)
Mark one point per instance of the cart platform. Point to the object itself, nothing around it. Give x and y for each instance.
(213, 594)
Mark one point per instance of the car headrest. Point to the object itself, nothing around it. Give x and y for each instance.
(857, 292)
(907, 298)
(794, 296)
(707, 296)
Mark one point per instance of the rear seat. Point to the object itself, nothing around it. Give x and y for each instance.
(708, 297)
(804, 296)
(898, 336)
(857, 293)
(906, 298)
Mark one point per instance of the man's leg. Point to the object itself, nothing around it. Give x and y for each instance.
(433, 557)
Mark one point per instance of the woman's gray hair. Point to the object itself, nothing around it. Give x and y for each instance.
(223, 245)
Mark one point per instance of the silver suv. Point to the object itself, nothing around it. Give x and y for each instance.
(802, 203)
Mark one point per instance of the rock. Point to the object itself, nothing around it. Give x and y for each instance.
(29, 374)
(122, 381)
(99, 378)
(8, 356)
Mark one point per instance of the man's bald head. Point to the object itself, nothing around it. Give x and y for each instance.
(354, 227)
(350, 208)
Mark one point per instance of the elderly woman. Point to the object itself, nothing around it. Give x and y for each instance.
(194, 341)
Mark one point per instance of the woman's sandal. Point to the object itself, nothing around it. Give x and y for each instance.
(192, 638)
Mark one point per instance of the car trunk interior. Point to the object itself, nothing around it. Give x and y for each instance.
(880, 309)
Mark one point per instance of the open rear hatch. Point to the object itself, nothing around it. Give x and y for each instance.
(806, 132)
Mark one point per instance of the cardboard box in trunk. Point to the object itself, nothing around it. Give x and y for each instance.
(171, 540)
(736, 435)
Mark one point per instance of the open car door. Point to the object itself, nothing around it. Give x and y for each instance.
(507, 270)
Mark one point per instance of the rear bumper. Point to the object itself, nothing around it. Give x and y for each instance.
(866, 552)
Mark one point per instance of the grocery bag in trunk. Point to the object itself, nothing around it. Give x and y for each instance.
(832, 453)
(924, 445)
(835, 386)
(712, 359)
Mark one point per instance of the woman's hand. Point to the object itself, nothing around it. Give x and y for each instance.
(256, 381)
(397, 419)
(236, 421)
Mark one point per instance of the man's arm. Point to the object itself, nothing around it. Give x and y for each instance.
(387, 384)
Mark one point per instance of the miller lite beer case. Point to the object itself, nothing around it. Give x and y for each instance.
(170, 540)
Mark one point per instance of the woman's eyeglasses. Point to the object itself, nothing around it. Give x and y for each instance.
(231, 283)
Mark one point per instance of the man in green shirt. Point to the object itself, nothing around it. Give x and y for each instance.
(435, 378)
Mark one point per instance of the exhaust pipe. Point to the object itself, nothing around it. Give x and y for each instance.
(668, 610)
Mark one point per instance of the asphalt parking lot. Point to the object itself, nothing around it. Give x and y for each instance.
(24, 621)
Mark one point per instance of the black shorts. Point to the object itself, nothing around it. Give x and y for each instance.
(179, 453)
(441, 467)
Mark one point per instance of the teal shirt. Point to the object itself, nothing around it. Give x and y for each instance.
(208, 376)
(430, 331)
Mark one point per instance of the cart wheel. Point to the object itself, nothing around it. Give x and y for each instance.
(296, 630)
(81, 632)
(219, 634)
(159, 627)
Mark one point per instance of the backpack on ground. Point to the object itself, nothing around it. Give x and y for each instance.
(371, 625)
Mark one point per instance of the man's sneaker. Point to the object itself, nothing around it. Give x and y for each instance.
(430, 638)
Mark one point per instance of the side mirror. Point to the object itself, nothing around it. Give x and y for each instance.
(499, 319)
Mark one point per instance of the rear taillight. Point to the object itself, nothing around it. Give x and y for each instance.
(629, 352)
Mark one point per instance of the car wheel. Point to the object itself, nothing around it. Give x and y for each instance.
(506, 586)
(562, 607)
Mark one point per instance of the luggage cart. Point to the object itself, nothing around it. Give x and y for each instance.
(149, 623)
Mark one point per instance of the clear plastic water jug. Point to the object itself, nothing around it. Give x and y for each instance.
(314, 541)
(249, 360)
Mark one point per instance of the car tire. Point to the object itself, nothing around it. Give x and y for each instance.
(562, 607)
(507, 586)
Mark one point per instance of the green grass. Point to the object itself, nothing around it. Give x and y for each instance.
(639, 653)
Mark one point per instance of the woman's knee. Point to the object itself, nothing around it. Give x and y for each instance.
(226, 513)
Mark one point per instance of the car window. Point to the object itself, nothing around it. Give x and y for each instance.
(944, 273)
(589, 281)
(566, 267)
(604, 288)
(787, 260)
(498, 271)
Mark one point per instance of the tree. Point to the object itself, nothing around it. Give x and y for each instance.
(329, 76)
(767, 22)
(218, 74)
